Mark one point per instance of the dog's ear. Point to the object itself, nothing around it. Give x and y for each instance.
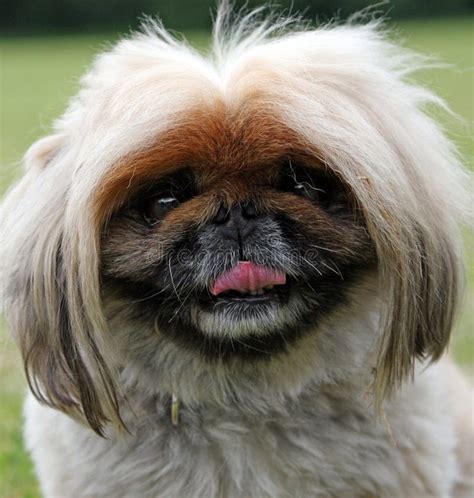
(43, 151)
(64, 364)
(425, 288)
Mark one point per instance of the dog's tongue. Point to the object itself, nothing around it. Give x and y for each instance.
(247, 277)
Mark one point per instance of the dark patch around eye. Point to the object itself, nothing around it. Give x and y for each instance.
(158, 207)
(317, 185)
(155, 200)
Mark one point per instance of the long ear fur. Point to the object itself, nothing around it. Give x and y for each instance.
(423, 289)
(64, 366)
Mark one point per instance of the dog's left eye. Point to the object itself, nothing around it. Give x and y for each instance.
(156, 208)
(316, 185)
(307, 190)
(310, 185)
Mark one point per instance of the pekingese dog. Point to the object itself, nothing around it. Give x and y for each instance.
(229, 276)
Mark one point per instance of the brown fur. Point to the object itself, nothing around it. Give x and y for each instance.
(222, 145)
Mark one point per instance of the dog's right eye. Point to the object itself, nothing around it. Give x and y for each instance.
(155, 200)
(156, 208)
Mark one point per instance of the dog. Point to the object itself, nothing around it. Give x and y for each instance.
(236, 274)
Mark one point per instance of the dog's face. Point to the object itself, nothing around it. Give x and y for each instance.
(240, 247)
(210, 222)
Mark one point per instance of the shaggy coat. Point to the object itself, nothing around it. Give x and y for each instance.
(346, 401)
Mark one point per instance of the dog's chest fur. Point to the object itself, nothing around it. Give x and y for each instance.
(321, 445)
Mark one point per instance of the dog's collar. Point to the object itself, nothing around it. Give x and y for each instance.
(174, 410)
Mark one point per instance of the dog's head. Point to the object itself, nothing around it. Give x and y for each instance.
(279, 211)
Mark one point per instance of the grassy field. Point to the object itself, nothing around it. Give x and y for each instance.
(38, 76)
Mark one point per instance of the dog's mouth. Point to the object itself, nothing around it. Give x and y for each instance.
(249, 284)
(247, 279)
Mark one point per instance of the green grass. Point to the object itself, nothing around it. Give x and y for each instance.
(38, 76)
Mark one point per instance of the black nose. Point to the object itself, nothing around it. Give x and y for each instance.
(237, 222)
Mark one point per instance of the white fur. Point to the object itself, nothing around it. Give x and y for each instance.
(327, 444)
(282, 437)
(303, 425)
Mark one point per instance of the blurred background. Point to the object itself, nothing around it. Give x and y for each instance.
(65, 15)
(45, 46)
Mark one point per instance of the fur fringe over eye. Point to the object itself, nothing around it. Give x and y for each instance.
(345, 90)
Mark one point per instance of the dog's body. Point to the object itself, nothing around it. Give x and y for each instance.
(322, 439)
(327, 442)
(230, 278)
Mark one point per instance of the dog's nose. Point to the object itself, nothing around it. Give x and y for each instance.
(237, 222)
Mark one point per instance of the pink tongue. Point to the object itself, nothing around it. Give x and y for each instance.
(246, 277)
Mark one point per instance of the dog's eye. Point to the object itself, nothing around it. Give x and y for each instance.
(316, 185)
(300, 181)
(155, 200)
(156, 208)
(309, 191)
